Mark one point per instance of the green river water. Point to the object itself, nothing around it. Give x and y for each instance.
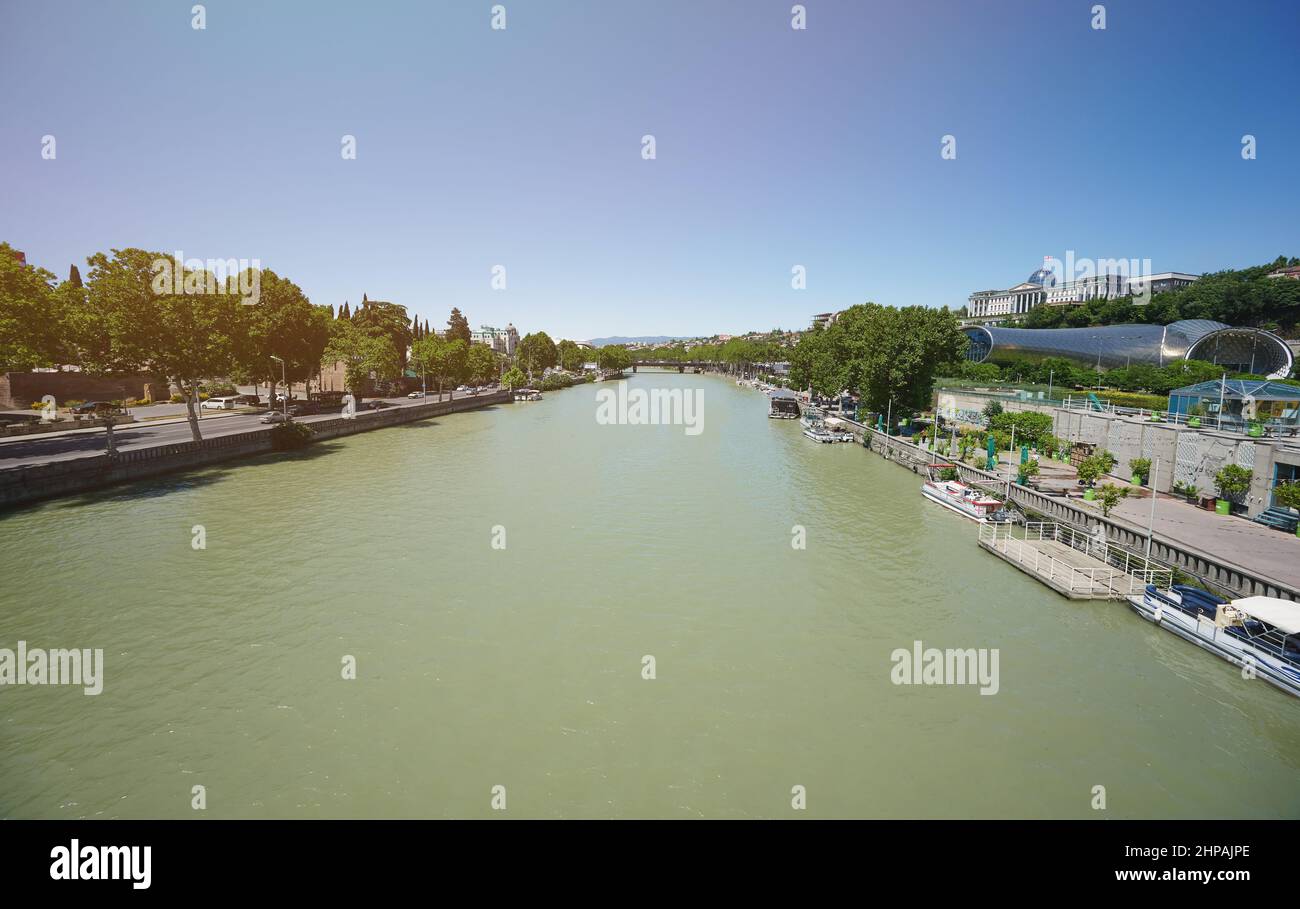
(522, 667)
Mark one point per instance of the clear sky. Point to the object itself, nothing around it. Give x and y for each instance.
(775, 147)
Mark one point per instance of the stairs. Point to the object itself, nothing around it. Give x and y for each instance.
(1281, 518)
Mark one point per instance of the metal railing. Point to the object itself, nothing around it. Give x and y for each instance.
(1122, 573)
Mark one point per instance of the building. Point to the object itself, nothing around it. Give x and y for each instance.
(1042, 288)
(1012, 303)
(823, 320)
(1233, 404)
(1291, 271)
(1250, 350)
(502, 340)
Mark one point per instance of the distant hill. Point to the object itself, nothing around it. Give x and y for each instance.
(644, 339)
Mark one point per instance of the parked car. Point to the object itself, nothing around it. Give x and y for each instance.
(462, 388)
(96, 407)
(416, 394)
(226, 402)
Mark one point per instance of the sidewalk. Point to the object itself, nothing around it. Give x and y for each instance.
(1234, 539)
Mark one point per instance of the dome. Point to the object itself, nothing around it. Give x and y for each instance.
(1043, 277)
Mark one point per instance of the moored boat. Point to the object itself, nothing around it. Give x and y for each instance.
(826, 430)
(958, 497)
(1261, 631)
(783, 408)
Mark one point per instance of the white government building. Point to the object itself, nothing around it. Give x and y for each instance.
(502, 340)
(1042, 289)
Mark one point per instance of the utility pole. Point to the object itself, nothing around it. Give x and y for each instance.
(284, 382)
(1151, 524)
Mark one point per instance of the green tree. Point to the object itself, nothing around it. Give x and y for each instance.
(536, 352)
(514, 378)
(458, 327)
(32, 333)
(139, 313)
(481, 364)
(366, 357)
(283, 323)
(614, 357)
(572, 357)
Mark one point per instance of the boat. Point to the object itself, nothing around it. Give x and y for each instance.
(965, 500)
(826, 430)
(1263, 631)
(527, 394)
(783, 408)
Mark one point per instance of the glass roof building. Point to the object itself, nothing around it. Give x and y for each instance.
(1250, 350)
(1236, 402)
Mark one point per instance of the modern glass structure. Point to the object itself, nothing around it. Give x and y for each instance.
(1237, 403)
(1250, 350)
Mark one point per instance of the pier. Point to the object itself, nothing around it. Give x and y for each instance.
(1074, 564)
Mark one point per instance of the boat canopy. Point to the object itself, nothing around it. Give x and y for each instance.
(1283, 615)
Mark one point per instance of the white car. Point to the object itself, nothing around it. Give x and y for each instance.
(275, 416)
(462, 388)
(416, 394)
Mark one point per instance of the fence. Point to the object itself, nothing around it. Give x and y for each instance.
(1120, 572)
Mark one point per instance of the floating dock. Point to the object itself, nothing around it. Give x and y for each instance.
(1074, 564)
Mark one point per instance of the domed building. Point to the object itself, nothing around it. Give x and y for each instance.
(1010, 304)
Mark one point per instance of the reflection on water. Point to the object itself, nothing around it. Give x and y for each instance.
(522, 667)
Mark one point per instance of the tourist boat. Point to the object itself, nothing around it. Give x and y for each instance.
(826, 430)
(527, 394)
(783, 408)
(966, 501)
(1264, 631)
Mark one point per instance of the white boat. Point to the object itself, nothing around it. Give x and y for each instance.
(527, 394)
(827, 430)
(1263, 631)
(964, 500)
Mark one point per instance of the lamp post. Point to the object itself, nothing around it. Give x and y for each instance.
(1151, 524)
(285, 383)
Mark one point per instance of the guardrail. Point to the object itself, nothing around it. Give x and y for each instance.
(1122, 574)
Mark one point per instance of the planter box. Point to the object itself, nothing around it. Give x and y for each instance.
(1223, 506)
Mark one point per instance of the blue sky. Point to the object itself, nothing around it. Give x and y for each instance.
(775, 148)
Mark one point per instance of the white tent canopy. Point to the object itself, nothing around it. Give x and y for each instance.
(1281, 614)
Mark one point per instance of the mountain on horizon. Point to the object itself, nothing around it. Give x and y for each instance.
(642, 339)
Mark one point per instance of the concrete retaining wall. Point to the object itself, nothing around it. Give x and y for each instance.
(1217, 571)
(21, 485)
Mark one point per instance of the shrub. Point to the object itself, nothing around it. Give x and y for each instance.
(948, 473)
(1110, 496)
(1287, 494)
(1233, 481)
(1027, 470)
(1141, 468)
(290, 436)
(177, 399)
(1091, 469)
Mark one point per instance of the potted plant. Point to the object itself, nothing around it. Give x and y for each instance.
(1141, 468)
(1027, 470)
(1192, 493)
(1194, 415)
(1233, 482)
(1110, 496)
(1090, 470)
(1287, 495)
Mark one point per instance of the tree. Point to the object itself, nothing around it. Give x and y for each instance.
(615, 357)
(458, 327)
(31, 329)
(572, 357)
(140, 313)
(388, 321)
(283, 323)
(364, 356)
(481, 364)
(536, 352)
(514, 378)
(441, 358)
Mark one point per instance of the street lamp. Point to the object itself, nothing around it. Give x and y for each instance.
(284, 382)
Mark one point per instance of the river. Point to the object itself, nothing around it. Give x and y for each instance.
(522, 667)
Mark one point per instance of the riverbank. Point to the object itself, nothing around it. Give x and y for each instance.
(1237, 572)
(32, 483)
